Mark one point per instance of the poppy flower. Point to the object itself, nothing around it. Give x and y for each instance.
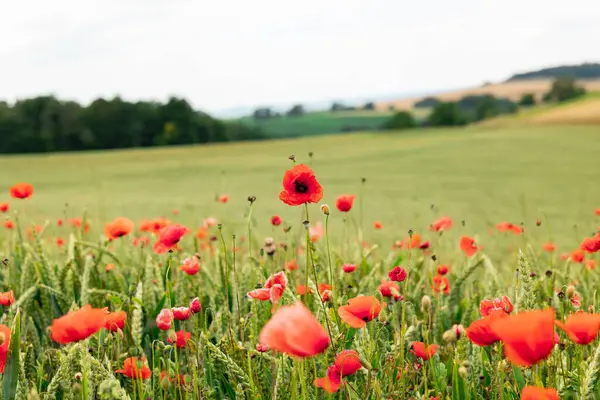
(420, 350)
(78, 325)
(397, 274)
(295, 331)
(440, 283)
(277, 278)
(344, 202)
(591, 244)
(441, 224)
(425, 245)
(301, 290)
(262, 294)
(538, 393)
(360, 310)
(169, 237)
(331, 382)
(115, 320)
(315, 232)
(377, 225)
(181, 313)
(118, 228)
(292, 265)
(7, 298)
(590, 264)
(480, 331)
(164, 319)
(507, 226)
(60, 241)
(486, 307)
(21, 191)
(467, 245)
(390, 289)
(348, 268)
(275, 293)
(4, 331)
(275, 220)
(578, 256)
(442, 269)
(262, 348)
(3, 207)
(182, 338)
(191, 265)
(195, 305)
(582, 328)
(133, 370)
(412, 241)
(8, 224)
(325, 295)
(528, 337)
(59, 222)
(300, 186)
(549, 247)
(223, 199)
(77, 222)
(347, 362)
(109, 267)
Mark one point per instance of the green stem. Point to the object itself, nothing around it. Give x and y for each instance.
(307, 256)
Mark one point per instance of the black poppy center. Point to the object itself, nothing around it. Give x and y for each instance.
(366, 319)
(300, 187)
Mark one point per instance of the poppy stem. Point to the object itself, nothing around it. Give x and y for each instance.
(237, 294)
(307, 256)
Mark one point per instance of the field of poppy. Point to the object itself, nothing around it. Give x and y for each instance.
(450, 264)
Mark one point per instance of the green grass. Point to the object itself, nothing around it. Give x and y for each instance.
(480, 176)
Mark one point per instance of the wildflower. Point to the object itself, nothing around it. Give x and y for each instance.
(164, 319)
(195, 305)
(538, 393)
(315, 232)
(441, 224)
(325, 295)
(425, 303)
(591, 244)
(118, 228)
(467, 245)
(78, 325)
(295, 331)
(480, 331)
(507, 226)
(442, 269)
(331, 382)
(115, 320)
(360, 310)
(223, 199)
(60, 241)
(77, 222)
(275, 220)
(440, 283)
(347, 362)
(325, 209)
(262, 294)
(549, 247)
(344, 202)
(277, 278)
(182, 338)
(582, 328)
(528, 337)
(397, 274)
(4, 345)
(390, 289)
(59, 222)
(181, 313)
(169, 237)
(590, 264)
(109, 267)
(578, 256)
(348, 268)
(300, 186)
(292, 265)
(262, 348)
(377, 225)
(3, 207)
(191, 265)
(21, 191)
(7, 298)
(133, 370)
(8, 224)
(301, 290)
(486, 307)
(421, 350)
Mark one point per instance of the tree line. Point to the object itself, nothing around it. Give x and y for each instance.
(45, 124)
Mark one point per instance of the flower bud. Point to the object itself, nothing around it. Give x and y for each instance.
(425, 303)
(449, 336)
(195, 305)
(570, 291)
(325, 209)
(172, 337)
(463, 372)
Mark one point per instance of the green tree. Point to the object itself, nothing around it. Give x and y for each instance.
(400, 120)
(528, 99)
(565, 88)
(447, 114)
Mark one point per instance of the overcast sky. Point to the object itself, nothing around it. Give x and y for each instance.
(221, 54)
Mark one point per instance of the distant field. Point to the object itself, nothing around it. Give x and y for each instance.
(512, 90)
(481, 176)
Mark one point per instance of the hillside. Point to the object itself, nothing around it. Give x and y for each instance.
(581, 71)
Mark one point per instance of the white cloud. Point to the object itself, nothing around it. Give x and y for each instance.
(227, 53)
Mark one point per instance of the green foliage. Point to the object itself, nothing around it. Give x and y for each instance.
(447, 114)
(563, 89)
(400, 120)
(528, 99)
(581, 71)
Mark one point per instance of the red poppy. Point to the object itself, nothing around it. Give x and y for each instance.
(275, 220)
(582, 328)
(348, 268)
(277, 278)
(262, 294)
(59, 222)
(182, 338)
(21, 191)
(295, 331)
(344, 202)
(292, 265)
(78, 325)
(578, 256)
(377, 225)
(549, 247)
(118, 228)
(262, 348)
(360, 310)
(331, 382)
(133, 370)
(109, 267)
(590, 264)
(528, 337)
(507, 226)
(195, 305)
(440, 283)
(3, 207)
(223, 198)
(347, 362)
(164, 319)
(191, 265)
(591, 244)
(467, 245)
(181, 313)
(397, 274)
(60, 241)
(7, 298)
(420, 350)
(115, 320)
(76, 222)
(480, 331)
(169, 237)
(538, 393)
(300, 186)
(442, 224)
(390, 289)
(487, 307)
(442, 269)
(301, 290)
(8, 224)
(4, 331)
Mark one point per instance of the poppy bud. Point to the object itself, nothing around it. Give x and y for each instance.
(195, 305)
(570, 291)
(164, 319)
(325, 209)
(449, 336)
(165, 382)
(466, 363)
(76, 388)
(425, 303)
(172, 337)
(538, 222)
(463, 372)
(251, 199)
(133, 351)
(181, 313)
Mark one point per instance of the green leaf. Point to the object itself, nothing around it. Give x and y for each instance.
(11, 372)
(519, 378)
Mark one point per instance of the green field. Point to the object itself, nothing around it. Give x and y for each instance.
(481, 176)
